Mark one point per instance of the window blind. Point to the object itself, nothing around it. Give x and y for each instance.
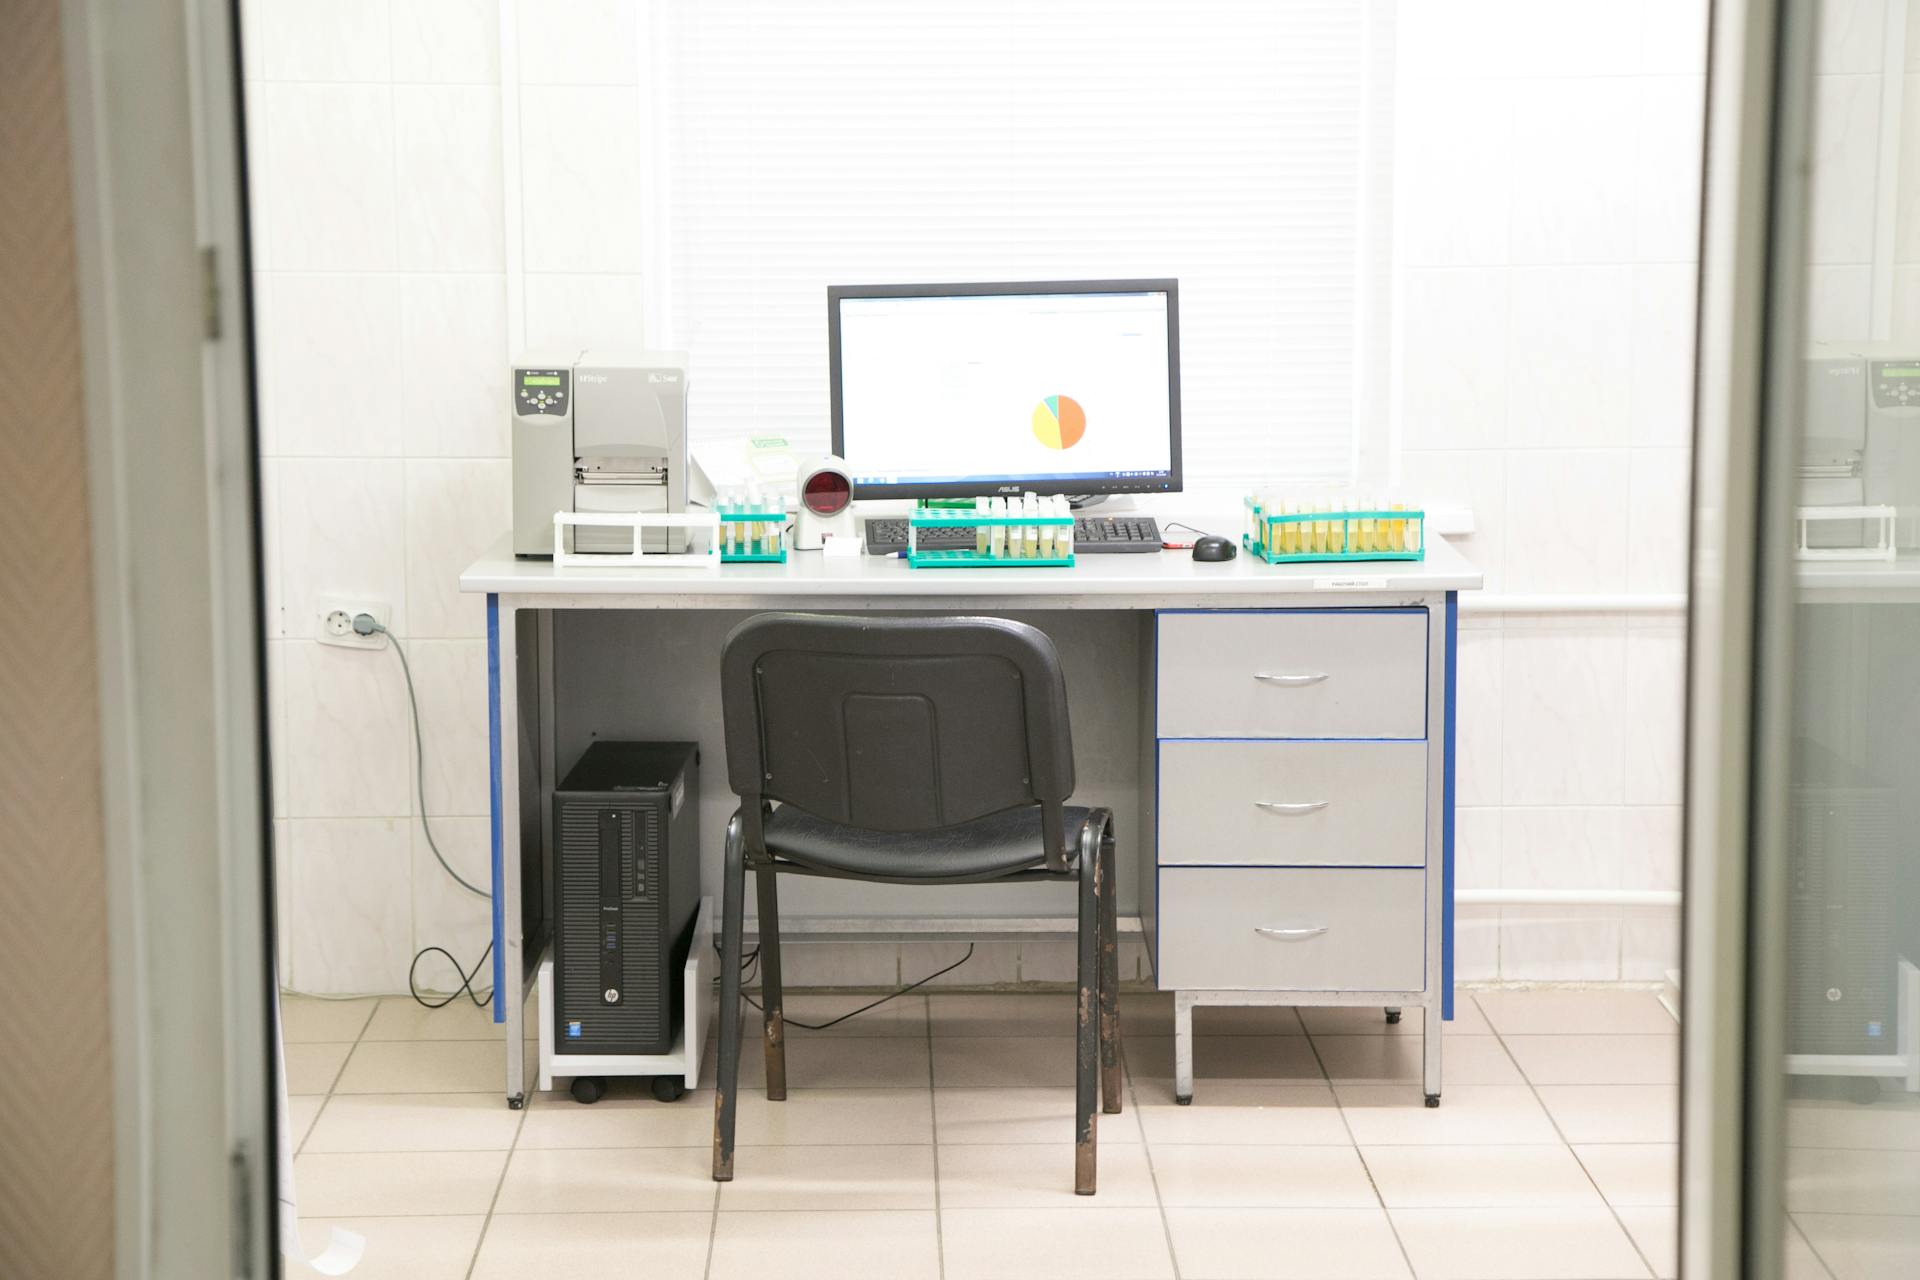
(818, 142)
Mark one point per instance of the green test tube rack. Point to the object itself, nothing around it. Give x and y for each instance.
(763, 530)
(1334, 537)
(968, 518)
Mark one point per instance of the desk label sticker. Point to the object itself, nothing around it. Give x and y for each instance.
(1349, 584)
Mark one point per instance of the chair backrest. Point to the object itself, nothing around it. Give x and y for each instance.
(896, 724)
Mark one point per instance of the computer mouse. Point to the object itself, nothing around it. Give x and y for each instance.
(1214, 547)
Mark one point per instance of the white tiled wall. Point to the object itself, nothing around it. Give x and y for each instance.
(1847, 132)
(378, 222)
(1549, 162)
(1549, 193)
(1551, 168)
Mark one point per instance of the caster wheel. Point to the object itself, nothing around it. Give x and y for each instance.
(669, 1088)
(588, 1089)
(517, 1102)
(1433, 1099)
(1864, 1090)
(1184, 1100)
(1393, 1016)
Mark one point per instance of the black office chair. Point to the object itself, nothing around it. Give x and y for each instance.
(909, 751)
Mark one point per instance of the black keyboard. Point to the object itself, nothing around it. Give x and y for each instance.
(1092, 535)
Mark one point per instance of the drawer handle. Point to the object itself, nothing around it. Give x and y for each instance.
(1291, 935)
(1293, 681)
(1290, 809)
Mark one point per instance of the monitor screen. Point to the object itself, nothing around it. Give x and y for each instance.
(961, 390)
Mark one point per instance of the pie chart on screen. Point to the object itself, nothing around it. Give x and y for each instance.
(1059, 422)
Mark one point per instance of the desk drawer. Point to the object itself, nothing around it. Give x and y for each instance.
(1332, 674)
(1324, 930)
(1293, 803)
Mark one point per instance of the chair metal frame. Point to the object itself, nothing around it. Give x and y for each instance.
(1089, 859)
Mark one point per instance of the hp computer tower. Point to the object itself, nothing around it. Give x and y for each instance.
(627, 887)
(1839, 910)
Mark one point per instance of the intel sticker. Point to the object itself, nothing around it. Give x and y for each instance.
(573, 1031)
(1875, 1029)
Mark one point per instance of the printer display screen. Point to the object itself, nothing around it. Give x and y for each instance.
(540, 380)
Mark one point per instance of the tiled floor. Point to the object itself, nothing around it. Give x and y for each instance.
(933, 1139)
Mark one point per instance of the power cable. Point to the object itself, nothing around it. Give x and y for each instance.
(365, 624)
(834, 1022)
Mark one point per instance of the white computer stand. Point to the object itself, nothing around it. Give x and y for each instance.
(1903, 1064)
(674, 1071)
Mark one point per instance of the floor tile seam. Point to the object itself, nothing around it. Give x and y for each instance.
(1554, 1123)
(333, 1081)
(700, 1146)
(1153, 1174)
(713, 1236)
(838, 1088)
(504, 1213)
(493, 1203)
(933, 1130)
(1380, 1201)
(1793, 1223)
(366, 1022)
(493, 1040)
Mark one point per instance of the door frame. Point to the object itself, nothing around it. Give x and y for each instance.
(163, 270)
(1752, 303)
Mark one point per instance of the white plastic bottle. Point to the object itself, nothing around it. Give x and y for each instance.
(997, 543)
(981, 535)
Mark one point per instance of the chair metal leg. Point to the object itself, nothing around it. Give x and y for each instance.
(1109, 890)
(767, 887)
(732, 924)
(1087, 1044)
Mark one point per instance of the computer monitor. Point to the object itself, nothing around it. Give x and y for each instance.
(959, 390)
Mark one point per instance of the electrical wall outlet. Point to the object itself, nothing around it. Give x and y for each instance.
(334, 621)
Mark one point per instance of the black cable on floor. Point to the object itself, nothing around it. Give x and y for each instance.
(479, 999)
(834, 1022)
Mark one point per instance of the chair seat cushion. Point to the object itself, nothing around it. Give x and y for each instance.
(996, 845)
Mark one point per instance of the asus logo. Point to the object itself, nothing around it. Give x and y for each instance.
(1008, 488)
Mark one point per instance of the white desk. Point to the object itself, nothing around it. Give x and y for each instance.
(563, 667)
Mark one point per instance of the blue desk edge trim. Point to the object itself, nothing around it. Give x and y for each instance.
(1446, 813)
(493, 799)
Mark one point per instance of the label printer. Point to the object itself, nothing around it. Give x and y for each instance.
(1861, 443)
(599, 431)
